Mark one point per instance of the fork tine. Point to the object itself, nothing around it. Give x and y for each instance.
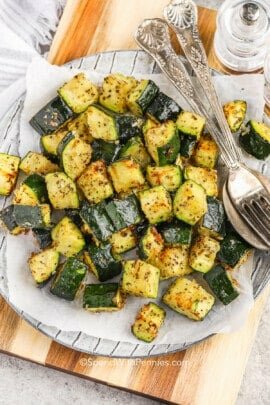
(264, 216)
(254, 222)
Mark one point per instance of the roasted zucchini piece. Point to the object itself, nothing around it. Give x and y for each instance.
(80, 129)
(220, 282)
(123, 240)
(176, 233)
(67, 281)
(75, 155)
(173, 262)
(141, 96)
(43, 237)
(49, 143)
(156, 204)
(32, 191)
(148, 322)
(256, 140)
(103, 297)
(62, 191)
(151, 244)
(51, 117)
(190, 203)
(74, 215)
(67, 237)
(43, 265)
(233, 250)
(163, 108)
(189, 298)
(163, 143)
(35, 162)
(9, 169)
(28, 216)
(135, 149)
(213, 221)
(207, 178)
(148, 125)
(8, 221)
(206, 152)
(79, 93)
(124, 212)
(169, 176)
(126, 176)
(102, 124)
(203, 253)
(102, 262)
(94, 182)
(235, 112)
(128, 126)
(114, 91)
(96, 217)
(140, 279)
(107, 151)
(190, 126)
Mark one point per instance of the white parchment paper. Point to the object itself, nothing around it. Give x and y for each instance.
(42, 82)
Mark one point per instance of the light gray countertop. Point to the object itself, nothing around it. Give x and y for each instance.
(26, 383)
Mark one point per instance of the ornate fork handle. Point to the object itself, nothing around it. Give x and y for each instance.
(182, 17)
(153, 36)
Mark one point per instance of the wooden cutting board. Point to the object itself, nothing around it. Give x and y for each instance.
(209, 373)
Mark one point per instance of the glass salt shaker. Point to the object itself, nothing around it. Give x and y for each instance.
(243, 34)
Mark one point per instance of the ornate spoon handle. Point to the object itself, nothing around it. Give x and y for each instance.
(182, 17)
(153, 36)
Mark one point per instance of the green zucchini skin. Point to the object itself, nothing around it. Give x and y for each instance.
(68, 278)
(105, 264)
(148, 95)
(38, 185)
(163, 108)
(51, 117)
(176, 232)
(168, 153)
(27, 216)
(65, 141)
(221, 285)
(135, 149)
(232, 249)
(254, 144)
(74, 215)
(106, 151)
(214, 220)
(124, 213)
(43, 237)
(128, 126)
(8, 219)
(96, 217)
(100, 296)
(187, 144)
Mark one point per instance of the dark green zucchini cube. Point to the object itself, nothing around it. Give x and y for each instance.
(221, 284)
(28, 216)
(128, 126)
(213, 221)
(97, 219)
(106, 151)
(8, 219)
(102, 297)
(102, 262)
(74, 215)
(176, 232)
(43, 237)
(232, 249)
(163, 108)
(68, 278)
(124, 213)
(187, 144)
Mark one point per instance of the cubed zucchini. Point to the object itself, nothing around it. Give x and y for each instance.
(67, 281)
(103, 297)
(176, 233)
(123, 240)
(124, 212)
(163, 108)
(43, 237)
(206, 152)
(75, 155)
(43, 265)
(74, 215)
(207, 178)
(8, 221)
(102, 262)
(213, 221)
(256, 139)
(80, 128)
(173, 262)
(49, 143)
(233, 250)
(151, 244)
(163, 143)
(32, 191)
(27, 216)
(35, 162)
(235, 112)
(67, 237)
(156, 204)
(189, 298)
(126, 175)
(169, 176)
(107, 151)
(51, 117)
(79, 93)
(190, 203)
(128, 126)
(97, 219)
(190, 126)
(203, 253)
(135, 149)
(102, 124)
(148, 322)
(62, 191)
(9, 169)
(148, 125)
(94, 182)
(140, 279)
(220, 282)
(114, 91)
(141, 96)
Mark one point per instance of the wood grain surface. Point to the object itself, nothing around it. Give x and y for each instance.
(208, 373)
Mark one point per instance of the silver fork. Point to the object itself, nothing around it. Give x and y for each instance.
(246, 190)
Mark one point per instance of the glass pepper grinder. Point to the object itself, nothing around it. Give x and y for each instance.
(243, 34)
